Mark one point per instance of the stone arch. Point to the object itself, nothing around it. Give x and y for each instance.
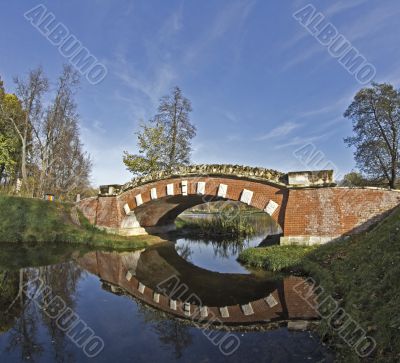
(157, 204)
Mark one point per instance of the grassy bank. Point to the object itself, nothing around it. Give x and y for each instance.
(24, 220)
(362, 275)
(274, 258)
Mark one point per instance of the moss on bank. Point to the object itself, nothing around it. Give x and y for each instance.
(362, 275)
(24, 220)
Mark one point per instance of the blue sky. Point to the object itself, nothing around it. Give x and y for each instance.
(261, 86)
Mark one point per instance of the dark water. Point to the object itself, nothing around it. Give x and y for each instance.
(97, 287)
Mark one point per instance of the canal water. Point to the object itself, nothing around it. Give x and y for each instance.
(123, 300)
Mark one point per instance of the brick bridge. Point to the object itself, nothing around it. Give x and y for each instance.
(308, 206)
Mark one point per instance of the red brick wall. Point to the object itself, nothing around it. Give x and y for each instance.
(302, 212)
(335, 211)
(88, 207)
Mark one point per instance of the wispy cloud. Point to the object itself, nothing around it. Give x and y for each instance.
(302, 140)
(339, 6)
(279, 131)
(233, 15)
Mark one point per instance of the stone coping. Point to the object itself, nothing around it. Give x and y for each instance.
(316, 178)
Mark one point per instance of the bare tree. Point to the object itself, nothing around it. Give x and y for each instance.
(375, 113)
(57, 131)
(30, 92)
(173, 114)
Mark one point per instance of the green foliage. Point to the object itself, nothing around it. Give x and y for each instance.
(152, 144)
(10, 145)
(24, 220)
(275, 258)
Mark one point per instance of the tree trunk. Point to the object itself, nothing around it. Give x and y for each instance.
(23, 164)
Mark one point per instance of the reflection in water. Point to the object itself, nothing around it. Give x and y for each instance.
(220, 254)
(152, 267)
(133, 330)
(24, 335)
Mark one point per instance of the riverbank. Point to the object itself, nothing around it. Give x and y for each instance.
(25, 220)
(361, 274)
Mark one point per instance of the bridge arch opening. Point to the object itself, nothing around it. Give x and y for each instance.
(226, 216)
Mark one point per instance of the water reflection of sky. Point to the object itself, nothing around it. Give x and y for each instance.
(212, 256)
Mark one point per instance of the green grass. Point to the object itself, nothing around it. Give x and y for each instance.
(25, 220)
(274, 258)
(362, 274)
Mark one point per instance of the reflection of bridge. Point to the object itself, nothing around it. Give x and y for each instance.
(307, 205)
(231, 298)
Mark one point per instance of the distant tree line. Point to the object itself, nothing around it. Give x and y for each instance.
(40, 147)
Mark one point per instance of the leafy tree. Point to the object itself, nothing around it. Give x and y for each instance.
(164, 143)
(10, 145)
(152, 146)
(375, 113)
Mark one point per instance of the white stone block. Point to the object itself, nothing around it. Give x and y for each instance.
(153, 193)
(130, 274)
(204, 311)
(298, 179)
(156, 297)
(186, 308)
(172, 304)
(201, 188)
(126, 208)
(139, 200)
(271, 301)
(141, 288)
(222, 189)
(271, 207)
(224, 312)
(246, 196)
(111, 190)
(170, 189)
(184, 185)
(247, 309)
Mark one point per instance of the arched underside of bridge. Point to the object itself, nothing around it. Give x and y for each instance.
(310, 215)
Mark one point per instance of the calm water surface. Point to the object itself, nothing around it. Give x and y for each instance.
(94, 284)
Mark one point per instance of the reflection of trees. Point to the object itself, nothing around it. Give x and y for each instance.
(222, 247)
(9, 294)
(28, 328)
(184, 251)
(171, 332)
(62, 279)
(24, 333)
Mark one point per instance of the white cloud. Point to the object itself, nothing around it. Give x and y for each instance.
(279, 131)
